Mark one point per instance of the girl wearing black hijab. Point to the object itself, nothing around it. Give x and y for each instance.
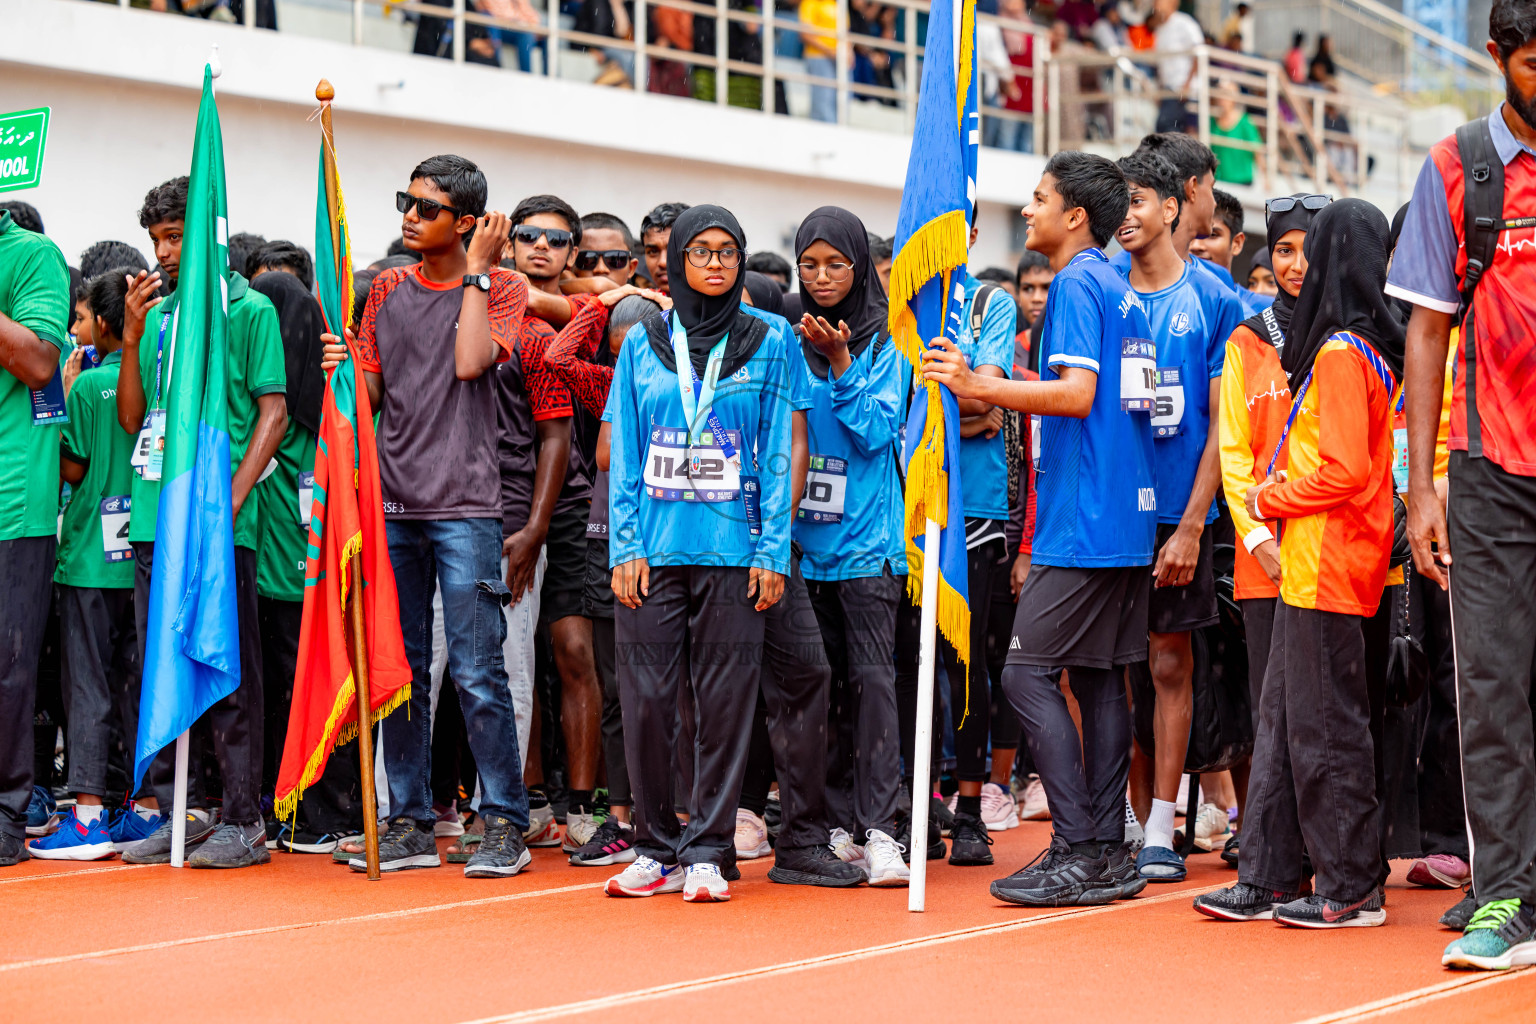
(849, 524)
(700, 505)
(1313, 784)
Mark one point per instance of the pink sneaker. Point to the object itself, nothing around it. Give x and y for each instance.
(1440, 871)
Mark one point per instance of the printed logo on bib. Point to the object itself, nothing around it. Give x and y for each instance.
(1138, 375)
(1168, 414)
(1400, 459)
(675, 472)
(306, 496)
(826, 488)
(115, 512)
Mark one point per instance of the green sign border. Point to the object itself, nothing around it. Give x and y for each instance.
(42, 144)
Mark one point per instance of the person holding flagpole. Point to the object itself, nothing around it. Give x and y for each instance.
(1096, 518)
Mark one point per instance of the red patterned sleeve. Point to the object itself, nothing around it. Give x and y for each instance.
(547, 396)
(367, 338)
(506, 306)
(569, 356)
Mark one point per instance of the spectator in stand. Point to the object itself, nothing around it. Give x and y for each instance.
(1079, 16)
(1296, 59)
(1322, 58)
(1008, 58)
(609, 18)
(674, 28)
(1230, 121)
(821, 55)
(743, 45)
(1111, 33)
(1240, 26)
(872, 65)
(1177, 34)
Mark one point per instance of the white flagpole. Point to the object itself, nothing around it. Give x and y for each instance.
(922, 745)
(179, 805)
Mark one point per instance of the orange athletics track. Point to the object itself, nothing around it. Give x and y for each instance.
(307, 940)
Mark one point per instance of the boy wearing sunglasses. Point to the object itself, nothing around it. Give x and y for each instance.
(607, 249)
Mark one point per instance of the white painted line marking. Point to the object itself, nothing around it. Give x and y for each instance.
(1418, 997)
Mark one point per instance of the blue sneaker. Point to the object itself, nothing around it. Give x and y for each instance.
(41, 818)
(128, 828)
(1501, 935)
(75, 840)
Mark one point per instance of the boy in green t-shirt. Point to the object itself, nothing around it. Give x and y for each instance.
(95, 586)
(257, 419)
(34, 323)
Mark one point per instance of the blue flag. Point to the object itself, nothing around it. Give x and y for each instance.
(192, 646)
(927, 299)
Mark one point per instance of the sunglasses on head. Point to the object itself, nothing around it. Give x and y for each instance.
(528, 234)
(426, 209)
(1285, 203)
(613, 259)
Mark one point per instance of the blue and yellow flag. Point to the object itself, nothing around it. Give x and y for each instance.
(928, 299)
(192, 643)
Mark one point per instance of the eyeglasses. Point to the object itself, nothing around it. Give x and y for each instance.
(699, 256)
(426, 209)
(1285, 203)
(835, 271)
(529, 234)
(613, 259)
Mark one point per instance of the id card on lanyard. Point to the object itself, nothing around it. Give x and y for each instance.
(698, 397)
(149, 450)
(48, 403)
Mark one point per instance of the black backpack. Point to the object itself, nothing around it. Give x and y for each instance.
(1482, 223)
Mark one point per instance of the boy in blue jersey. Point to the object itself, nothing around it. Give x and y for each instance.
(1191, 319)
(1083, 606)
(1219, 248)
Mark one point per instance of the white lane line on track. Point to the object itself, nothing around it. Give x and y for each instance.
(385, 915)
(1418, 997)
(618, 999)
(70, 874)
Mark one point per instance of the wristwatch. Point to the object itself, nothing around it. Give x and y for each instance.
(481, 281)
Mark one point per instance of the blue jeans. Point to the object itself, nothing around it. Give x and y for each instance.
(1016, 136)
(462, 558)
(823, 97)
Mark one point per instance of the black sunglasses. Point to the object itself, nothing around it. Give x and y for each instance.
(426, 209)
(613, 259)
(528, 234)
(1285, 203)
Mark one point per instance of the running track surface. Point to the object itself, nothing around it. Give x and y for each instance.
(306, 939)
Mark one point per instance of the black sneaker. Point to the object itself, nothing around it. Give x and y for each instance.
(612, 843)
(936, 847)
(1320, 912)
(1122, 868)
(13, 850)
(302, 840)
(939, 811)
(1457, 917)
(773, 818)
(275, 830)
(157, 848)
(813, 865)
(1243, 902)
(968, 842)
(232, 846)
(407, 844)
(1059, 878)
(501, 854)
(1229, 851)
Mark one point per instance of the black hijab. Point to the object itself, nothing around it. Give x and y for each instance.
(1402, 307)
(1276, 226)
(707, 318)
(863, 309)
(301, 322)
(1344, 290)
(766, 293)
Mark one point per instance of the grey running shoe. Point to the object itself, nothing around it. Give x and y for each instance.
(1320, 912)
(232, 846)
(13, 850)
(157, 848)
(1457, 917)
(1243, 902)
(407, 844)
(501, 854)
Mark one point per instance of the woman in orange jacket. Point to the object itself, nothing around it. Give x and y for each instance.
(1313, 785)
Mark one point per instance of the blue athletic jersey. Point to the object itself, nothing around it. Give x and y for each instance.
(674, 514)
(1096, 496)
(1191, 320)
(850, 519)
(1251, 303)
(983, 462)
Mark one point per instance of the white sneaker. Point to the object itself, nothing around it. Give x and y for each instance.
(579, 830)
(703, 883)
(998, 811)
(645, 877)
(751, 836)
(848, 851)
(1134, 833)
(542, 830)
(1034, 806)
(883, 864)
(1212, 828)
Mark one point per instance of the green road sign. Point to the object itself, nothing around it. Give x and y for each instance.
(22, 136)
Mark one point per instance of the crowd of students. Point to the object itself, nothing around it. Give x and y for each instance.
(644, 510)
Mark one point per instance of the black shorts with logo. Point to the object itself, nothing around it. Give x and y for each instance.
(1095, 618)
(1190, 607)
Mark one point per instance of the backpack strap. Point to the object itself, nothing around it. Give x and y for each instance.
(1482, 222)
(979, 303)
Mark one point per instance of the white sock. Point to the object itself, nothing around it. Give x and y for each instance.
(1130, 814)
(147, 813)
(1159, 827)
(88, 813)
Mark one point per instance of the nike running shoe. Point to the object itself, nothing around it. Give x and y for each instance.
(1316, 911)
(41, 816)
(646, 877)
(702, 883)
(1243, 902)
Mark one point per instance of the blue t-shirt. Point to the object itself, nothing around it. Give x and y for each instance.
(983, 461)
(1096, 496)
(1191, 320)
(656, 509)
(850, 519)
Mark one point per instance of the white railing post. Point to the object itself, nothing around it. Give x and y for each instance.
(1320, 147)
(357, 22)
(1037, 86)
(1053, 119)
(1203, 92)
(458, 31)
(1272, 125)
(552, 42)
(844, 54)
(722, 76)
(909, 79)
(248, 13)
(642, 32)
(770, 91)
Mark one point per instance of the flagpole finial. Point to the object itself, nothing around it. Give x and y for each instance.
(325, 92)
(215, 65)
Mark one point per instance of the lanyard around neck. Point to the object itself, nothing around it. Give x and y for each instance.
(698, 396)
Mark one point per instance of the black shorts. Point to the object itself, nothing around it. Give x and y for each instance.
(1096, 618)
(1190, 607)
(565, 572)
(597, 589)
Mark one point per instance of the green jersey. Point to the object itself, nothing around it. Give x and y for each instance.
(93, 537)
(285, 507)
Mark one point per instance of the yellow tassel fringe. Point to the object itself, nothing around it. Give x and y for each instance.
(935, 248)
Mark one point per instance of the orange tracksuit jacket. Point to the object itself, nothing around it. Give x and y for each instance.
(1255, 400)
